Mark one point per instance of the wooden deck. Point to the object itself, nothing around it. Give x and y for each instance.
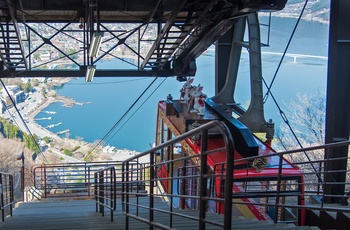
(81, 214)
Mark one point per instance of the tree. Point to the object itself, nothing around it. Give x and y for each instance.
(37, 57)
(35, 82)
(43, 92)
(26, 87)
(31, 142)
(19, 134)
(307, 118)
(29, 87)
(47, 139)
(2, 128)
(68, 152)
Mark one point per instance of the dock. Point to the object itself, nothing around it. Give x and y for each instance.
(42, 118)
(63, 131)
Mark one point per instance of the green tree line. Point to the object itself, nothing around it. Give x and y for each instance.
(11, 131)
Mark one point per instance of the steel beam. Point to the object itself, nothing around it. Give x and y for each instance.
(227, 58)
(81, 73)
(338, 100)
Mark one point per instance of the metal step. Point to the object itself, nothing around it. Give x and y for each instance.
(343, 220)
(11, 49)
(81, 214)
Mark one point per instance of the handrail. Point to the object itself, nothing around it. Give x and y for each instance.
(30, 192)
(105, 190)
(284, 192)
(6, 193)
(325, 146)
(76, 177)
(72, 179)
(312, 188)
(202, 157)
(86, 164)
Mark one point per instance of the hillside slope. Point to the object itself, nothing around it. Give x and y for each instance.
(316, 10)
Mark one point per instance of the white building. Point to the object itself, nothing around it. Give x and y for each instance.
(45, 56)
(111, 149)
(105, 149)
(12, 89)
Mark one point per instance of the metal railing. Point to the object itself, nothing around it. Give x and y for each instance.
(283, 193)
(275, 193)
(30, 192)
(105, 190)
(71, 179)
(187, 181)
(134, 208)
(6, 194)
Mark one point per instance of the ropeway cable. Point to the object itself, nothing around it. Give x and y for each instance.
(25, 125)
(120, 119)
(138, 108)
(111, 82)
(284, 54)
(285, 119)
(283, 115)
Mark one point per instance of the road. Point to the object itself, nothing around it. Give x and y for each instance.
(29, 106)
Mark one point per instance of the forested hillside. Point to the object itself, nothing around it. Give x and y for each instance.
(316, 10)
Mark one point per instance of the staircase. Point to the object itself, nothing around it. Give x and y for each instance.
(328, 220)
(11, 47)
(81, 214)
(185, 36)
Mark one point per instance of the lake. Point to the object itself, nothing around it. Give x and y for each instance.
(111, 97)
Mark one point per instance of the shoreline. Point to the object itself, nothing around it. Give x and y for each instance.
(306, 17)
(83, 147)
(46, 101)
(55, 97)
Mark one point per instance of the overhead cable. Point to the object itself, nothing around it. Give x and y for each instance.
(285, 119)
(24, 123)
(120, 119)
(283, 115)
(138, 108)
(284, 53)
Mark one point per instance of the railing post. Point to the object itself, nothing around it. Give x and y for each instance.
(22, 180)
(138, 174)
(45, 192)
(171, 168)
(137, 184)
(101, 191)
(89, 178)
(112, 183)
(151, 193)
(203, 180)
(96, 190)
(2, 199)
(126, 173)
(319, 182)
(11, 193)
(183, 188)
(229, 181)
(278, 189)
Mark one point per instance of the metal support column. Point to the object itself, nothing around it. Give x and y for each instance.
(227, 58)
(226, 64)
(338, 99)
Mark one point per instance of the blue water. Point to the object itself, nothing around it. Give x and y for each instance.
(111, 97)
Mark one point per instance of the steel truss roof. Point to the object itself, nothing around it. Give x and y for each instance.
(156, 38)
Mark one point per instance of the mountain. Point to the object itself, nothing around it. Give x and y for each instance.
(316, 10)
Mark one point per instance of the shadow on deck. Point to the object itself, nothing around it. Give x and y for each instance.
(81, 214)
